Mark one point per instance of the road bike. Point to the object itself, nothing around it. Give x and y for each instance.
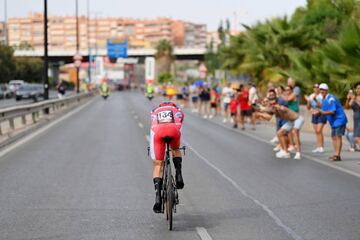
(169, 193)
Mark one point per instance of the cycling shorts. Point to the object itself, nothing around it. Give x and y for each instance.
(157, 144)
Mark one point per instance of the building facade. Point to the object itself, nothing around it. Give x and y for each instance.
(94, 32)
(2, 32)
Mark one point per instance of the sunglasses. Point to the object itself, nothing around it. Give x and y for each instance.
(316, 86)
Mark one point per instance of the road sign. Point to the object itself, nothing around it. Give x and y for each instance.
(117, 49)
(149, 69)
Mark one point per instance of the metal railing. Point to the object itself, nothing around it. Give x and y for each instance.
(36, 110)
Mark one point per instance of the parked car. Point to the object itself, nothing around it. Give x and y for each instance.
(14, 85)
(6, 93)
(2, 93)
(29, 91)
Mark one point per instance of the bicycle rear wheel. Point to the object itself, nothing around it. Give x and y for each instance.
(170, 204)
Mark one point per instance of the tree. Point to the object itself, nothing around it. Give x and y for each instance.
(7, 63)
(318, 43)
(29, 69)
(164, 56)
(211, 59)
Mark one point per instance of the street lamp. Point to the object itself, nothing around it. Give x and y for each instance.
(46, 60)
(77, 47)
(88, 40)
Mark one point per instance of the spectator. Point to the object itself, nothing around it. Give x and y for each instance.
(205, 100)
(318, 120)
(294, 122)
(245, 108)
(296, 89)
(281, 101)
(234, 105)
(194, 95)
(61, 88)
(219, 105)
(270, 88)
(253, 95)
(353, 101)
(293, 105)
(185, 96)
(214, 99)
(226, 94)
(335, 114)
(350, 137)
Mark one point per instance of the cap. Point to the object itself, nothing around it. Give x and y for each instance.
(324, 86)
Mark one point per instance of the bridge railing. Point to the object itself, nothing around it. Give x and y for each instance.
(103, 52)
(14, 118)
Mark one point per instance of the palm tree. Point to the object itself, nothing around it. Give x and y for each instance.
(164, 56)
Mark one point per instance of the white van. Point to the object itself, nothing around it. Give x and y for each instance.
(15, 84)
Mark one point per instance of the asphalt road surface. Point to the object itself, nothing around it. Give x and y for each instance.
(89, 177)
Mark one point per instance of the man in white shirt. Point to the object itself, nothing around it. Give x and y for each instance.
(226, 98)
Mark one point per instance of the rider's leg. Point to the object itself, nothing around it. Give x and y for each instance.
(157, 179)
(177, 159)
(157, 151)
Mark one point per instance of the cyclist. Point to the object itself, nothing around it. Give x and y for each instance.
(166, 121)
(149, 91)
(105, 91)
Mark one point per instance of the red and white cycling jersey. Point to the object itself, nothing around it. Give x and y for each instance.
(166, 121)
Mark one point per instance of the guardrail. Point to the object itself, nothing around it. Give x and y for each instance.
(35, 110)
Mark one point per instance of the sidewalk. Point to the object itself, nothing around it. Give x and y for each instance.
(266, 131)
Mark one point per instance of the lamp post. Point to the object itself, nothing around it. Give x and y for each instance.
(88, 40)
(46, 60)
(77, 47)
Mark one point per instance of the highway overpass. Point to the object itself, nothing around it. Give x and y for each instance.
(67, 55)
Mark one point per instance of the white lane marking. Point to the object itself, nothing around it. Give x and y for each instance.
(141, 125)
(203, 234)
(41, 130)
(332, 165)
(247, 195)
(147, 138)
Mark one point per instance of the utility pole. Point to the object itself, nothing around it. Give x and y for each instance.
(77, 47)
(46, 60)
(88, 40)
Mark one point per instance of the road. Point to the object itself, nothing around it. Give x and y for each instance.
(89, 177)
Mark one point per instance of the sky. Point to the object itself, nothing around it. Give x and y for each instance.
(208, 12)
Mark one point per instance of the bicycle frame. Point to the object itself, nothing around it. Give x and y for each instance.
(169, 192)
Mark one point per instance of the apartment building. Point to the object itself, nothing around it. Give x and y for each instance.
(94, 32)
(2, 32)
